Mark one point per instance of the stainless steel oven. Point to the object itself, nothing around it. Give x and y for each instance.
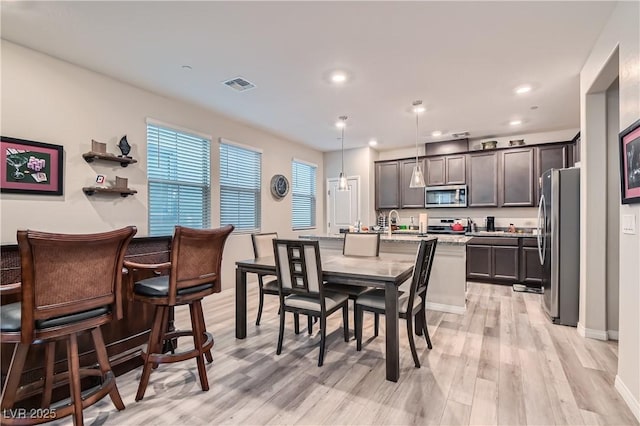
(446, 196)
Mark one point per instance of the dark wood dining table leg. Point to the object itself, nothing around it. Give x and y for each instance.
(241, 303)
(392, 331)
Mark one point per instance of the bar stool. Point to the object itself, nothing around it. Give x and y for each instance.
(193, 273)
(71, 283)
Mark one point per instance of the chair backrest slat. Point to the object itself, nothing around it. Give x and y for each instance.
(361, 244)
(298, 266)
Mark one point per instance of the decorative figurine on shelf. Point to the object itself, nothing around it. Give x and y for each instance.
(124, 146)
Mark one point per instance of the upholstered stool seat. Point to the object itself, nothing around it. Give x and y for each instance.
(10, 316)
(159, 287)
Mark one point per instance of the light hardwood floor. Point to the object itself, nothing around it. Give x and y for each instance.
(502, 363)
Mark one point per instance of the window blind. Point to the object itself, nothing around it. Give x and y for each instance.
(240, 177)
(303, 190)
(178, 172)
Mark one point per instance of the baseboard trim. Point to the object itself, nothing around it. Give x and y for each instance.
(452, 309)
(591, 333)
(632, 403)
(613, 334)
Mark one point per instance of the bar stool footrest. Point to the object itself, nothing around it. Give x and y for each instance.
(179, 356)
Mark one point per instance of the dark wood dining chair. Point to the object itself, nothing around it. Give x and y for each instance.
(263, 246)
(71, 283)
(410, 304)
(299, 271)
(358, 244)
(193, 273)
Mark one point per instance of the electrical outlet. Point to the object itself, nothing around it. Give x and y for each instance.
(629, 224)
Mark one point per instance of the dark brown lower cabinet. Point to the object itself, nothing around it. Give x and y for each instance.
(500, 260)
(505, 262)
(479, 261)
(530, 267)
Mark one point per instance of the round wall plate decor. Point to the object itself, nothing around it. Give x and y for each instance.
(279, 186)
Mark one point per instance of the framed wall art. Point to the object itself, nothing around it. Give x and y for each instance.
(630, 163)
(28, 167)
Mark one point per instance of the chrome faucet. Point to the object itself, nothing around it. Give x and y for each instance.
(397, 217)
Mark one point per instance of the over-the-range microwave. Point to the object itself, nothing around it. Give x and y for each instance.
(445, 196)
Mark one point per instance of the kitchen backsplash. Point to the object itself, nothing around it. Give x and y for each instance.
(521, 217)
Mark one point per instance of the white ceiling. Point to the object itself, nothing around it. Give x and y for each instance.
(463, 59)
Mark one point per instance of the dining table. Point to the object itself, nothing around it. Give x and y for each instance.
(386, 271)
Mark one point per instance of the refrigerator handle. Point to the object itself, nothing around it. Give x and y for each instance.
(541, 229)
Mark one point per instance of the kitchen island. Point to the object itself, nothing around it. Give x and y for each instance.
(447, 284)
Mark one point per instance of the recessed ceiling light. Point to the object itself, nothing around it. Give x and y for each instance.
(373, 142)
(523, 89)
(515, 122)
(436, 133)
(338, 77)
(186, 67)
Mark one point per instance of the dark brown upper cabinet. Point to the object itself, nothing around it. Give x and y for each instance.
(552, 157)
(482, 171)
(517, 178)
(387, 185)
(410, 198)
(446, 170)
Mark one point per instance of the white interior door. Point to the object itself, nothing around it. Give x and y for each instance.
(343, 207)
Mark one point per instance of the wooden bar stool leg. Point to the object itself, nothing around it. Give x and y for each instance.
(198, 335)
(74, 379)
(207, 354)
(49, 355)
(10, 390)
(105, 367)
(160, 343)
(151, 347)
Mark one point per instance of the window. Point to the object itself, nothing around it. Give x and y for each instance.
(240, 176)
(178, 169)
(303, 191)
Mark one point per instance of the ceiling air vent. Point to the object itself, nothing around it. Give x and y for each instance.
(239, 84)
(460, 134)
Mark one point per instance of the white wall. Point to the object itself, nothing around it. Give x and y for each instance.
(47, 100)
(621, 33)
(613, 211)
(357, 162)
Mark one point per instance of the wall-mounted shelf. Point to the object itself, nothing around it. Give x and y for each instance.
(90, 157)
(123, 192)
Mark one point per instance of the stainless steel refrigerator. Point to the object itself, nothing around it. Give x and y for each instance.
(559, 244)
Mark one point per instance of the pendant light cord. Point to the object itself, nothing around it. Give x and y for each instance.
(342, 142)
(416, 139)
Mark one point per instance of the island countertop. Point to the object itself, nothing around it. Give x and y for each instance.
(444, 239)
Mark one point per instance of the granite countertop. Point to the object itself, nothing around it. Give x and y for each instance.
(456, 240)
(502, 234)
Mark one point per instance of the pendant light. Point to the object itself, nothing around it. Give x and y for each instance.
(342, 180)
(417, 177)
